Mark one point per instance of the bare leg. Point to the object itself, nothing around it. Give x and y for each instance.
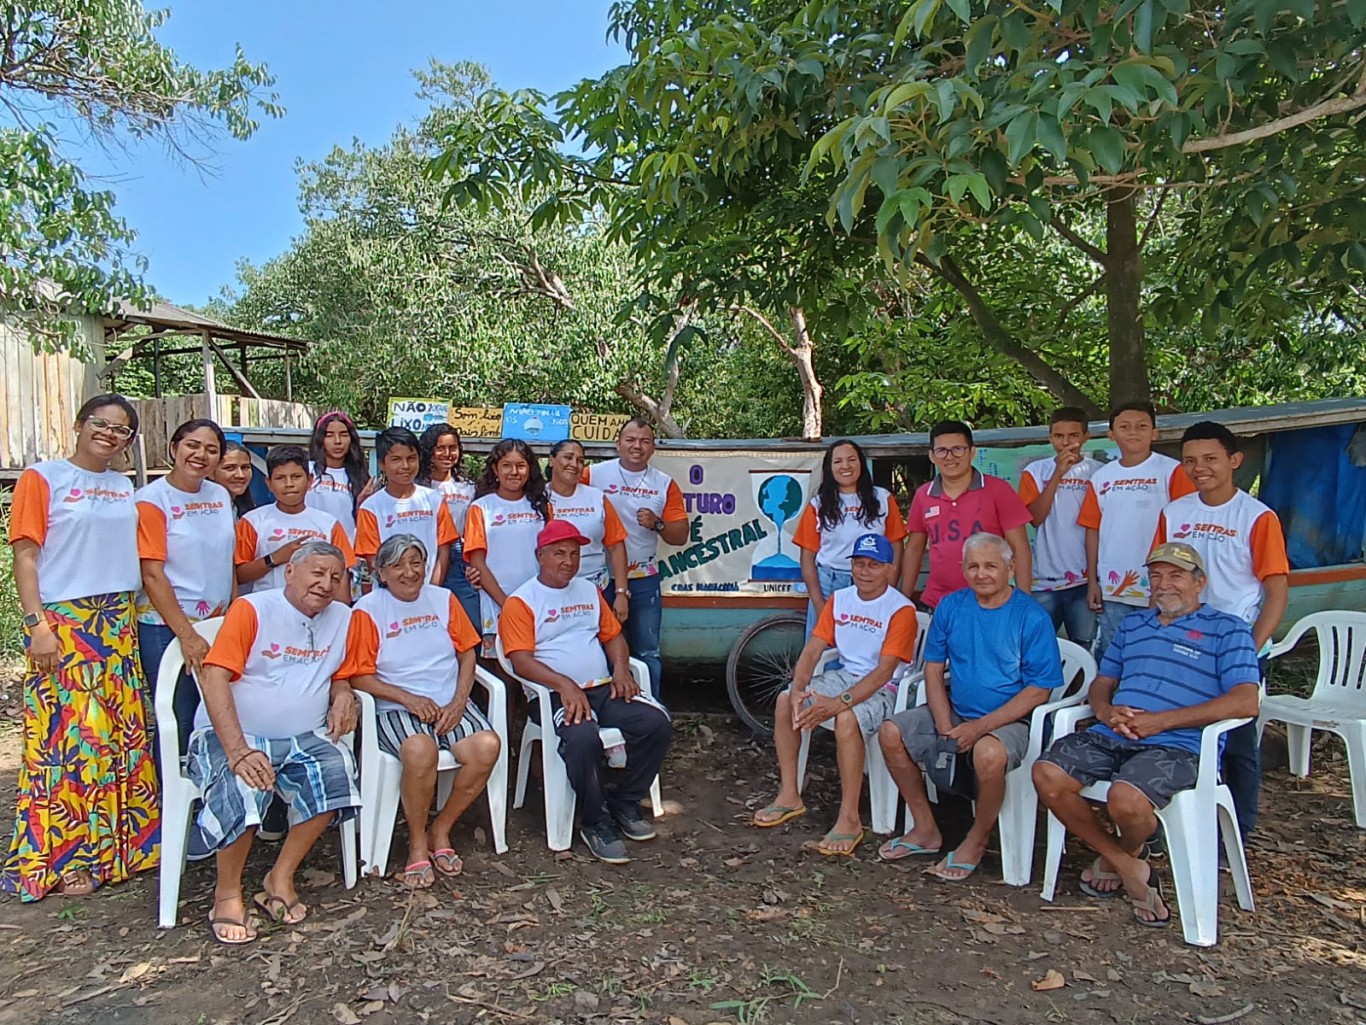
(911, 783)
(227, 889)
(788, 742)
(849, 754)
(1061, 794)
(477, 755)
(279, 881)
(989, 763)
(418, 754)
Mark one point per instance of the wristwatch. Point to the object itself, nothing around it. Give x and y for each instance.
(624, 593)
(270, 563)
(658, 528)
(848, 699)
(32, 620)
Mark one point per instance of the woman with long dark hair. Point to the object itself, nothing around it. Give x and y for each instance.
(186, 537)
(340, 477)
(441, 467)
(87, 810)
(847, 504)
(510, 507)
(234, 473)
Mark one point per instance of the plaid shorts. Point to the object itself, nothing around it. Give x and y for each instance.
(313, 776)
(395, 725)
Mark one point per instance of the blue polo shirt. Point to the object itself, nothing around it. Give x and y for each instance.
(1195, 659)
(993, 654)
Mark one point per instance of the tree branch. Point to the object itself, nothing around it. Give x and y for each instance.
(1076, 301)
(1337, 105)
(1152, 218)
(650, 407)
(767, 325)
(1066, 232)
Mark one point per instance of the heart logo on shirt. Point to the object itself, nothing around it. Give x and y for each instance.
(611, 489)
(394, 630)
(74, 495)
(1104, 487)
(844, 618)
(552, 615)
(177, 512)
(278, 532)
(1185, 531)
(272, 652)
(389, 520)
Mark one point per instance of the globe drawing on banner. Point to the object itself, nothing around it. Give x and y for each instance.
(779, 497)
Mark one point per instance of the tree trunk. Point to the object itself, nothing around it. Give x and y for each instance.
(1003, 341)
(1123, 302)
(802, 354)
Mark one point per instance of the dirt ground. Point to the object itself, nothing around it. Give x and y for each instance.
(713, 922)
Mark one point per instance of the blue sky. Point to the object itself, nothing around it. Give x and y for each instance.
(342, 70)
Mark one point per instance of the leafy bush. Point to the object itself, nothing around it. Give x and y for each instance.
(11, 616)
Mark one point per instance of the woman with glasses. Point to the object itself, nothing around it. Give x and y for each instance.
(847, 505)
(87, 807)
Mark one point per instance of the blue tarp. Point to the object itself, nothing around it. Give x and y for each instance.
(1319, 495)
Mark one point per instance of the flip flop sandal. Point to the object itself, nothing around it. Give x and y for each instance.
(1150, 903)
(895, 850)
(785, 814)
(279, 910)
(951, 862)
(822, 846)
(418, 875)
(1099, 875)
(447, 862)
(240, 923)
(76, 884)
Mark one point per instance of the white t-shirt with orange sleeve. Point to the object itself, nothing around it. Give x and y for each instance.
(864, 631)
(589, 510)
(1241, 542)
(506, 533)
(1123, 503)
(422, 514)
(266, 528)
(282, 663)
(563, 627)
(193, 534)
(833, 545)
(409, 644)
(1060, 543)
(458, 495)
(630, 491)
(85, 525)
(329, 489)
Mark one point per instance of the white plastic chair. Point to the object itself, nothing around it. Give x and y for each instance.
(560, 799)
(1018, 821)
(178, 792)
(1338, 703)
(381, 777)
(882, 795)
(1192, 823)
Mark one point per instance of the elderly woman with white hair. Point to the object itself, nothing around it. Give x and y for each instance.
(1004, 653)
(412, 646)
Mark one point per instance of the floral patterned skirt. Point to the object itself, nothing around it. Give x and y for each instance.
(87, 785)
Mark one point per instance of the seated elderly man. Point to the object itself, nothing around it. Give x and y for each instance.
(1169, 671)
(1002, 651)
(269, 724)
(554, 629)
(872, 627)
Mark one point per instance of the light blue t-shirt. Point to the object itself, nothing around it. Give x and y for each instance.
(993, 654)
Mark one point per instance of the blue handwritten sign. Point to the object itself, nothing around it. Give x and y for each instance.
(536, 423)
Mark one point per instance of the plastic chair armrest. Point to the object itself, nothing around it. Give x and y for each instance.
(497, 694)
(1038, 720)
(912, 678)
(369, 733)
(1067, 719)
(1209, 748)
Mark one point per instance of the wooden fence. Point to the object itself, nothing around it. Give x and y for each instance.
(40, 393)
(160, 417)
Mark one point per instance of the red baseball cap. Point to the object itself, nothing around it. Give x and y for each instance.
(559, 530)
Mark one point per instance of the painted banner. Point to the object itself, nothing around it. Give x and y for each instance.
(478, 421)
(1010, 463)
(596, 426)
(418, 414)
(742, 510)
(534, 422)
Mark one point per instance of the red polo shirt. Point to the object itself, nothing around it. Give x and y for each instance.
(989, 504)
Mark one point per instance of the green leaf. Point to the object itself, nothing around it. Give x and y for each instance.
(962, 8)
(885, 171)
(1020, 135)
(979, 38)
(813, 67)
(957, 186)
(996, 169)
(1051, 137)
(1148, 21)
(1015, 32)
(1281, 52)
(1107, 146)
(977, 185)
(944, 94)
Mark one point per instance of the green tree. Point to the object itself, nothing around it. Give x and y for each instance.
(94, 65)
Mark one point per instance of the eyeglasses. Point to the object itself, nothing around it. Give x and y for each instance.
(954, 451)
(117, 430)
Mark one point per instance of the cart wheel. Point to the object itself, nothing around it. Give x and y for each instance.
(760, 667)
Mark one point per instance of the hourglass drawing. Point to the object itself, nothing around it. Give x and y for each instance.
(779, 497)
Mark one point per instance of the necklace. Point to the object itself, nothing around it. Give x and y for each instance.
(640, 476)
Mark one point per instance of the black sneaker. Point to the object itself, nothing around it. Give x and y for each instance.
(604, 844)
(632, 824)
(276, 822)
(1155, 847)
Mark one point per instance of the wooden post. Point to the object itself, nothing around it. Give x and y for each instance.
(289, 383)
(156, 367)
(210, 392)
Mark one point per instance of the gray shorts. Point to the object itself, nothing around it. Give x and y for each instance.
(870, 713)
(918, 733)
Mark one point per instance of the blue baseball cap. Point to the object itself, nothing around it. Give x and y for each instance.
(874, 546)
